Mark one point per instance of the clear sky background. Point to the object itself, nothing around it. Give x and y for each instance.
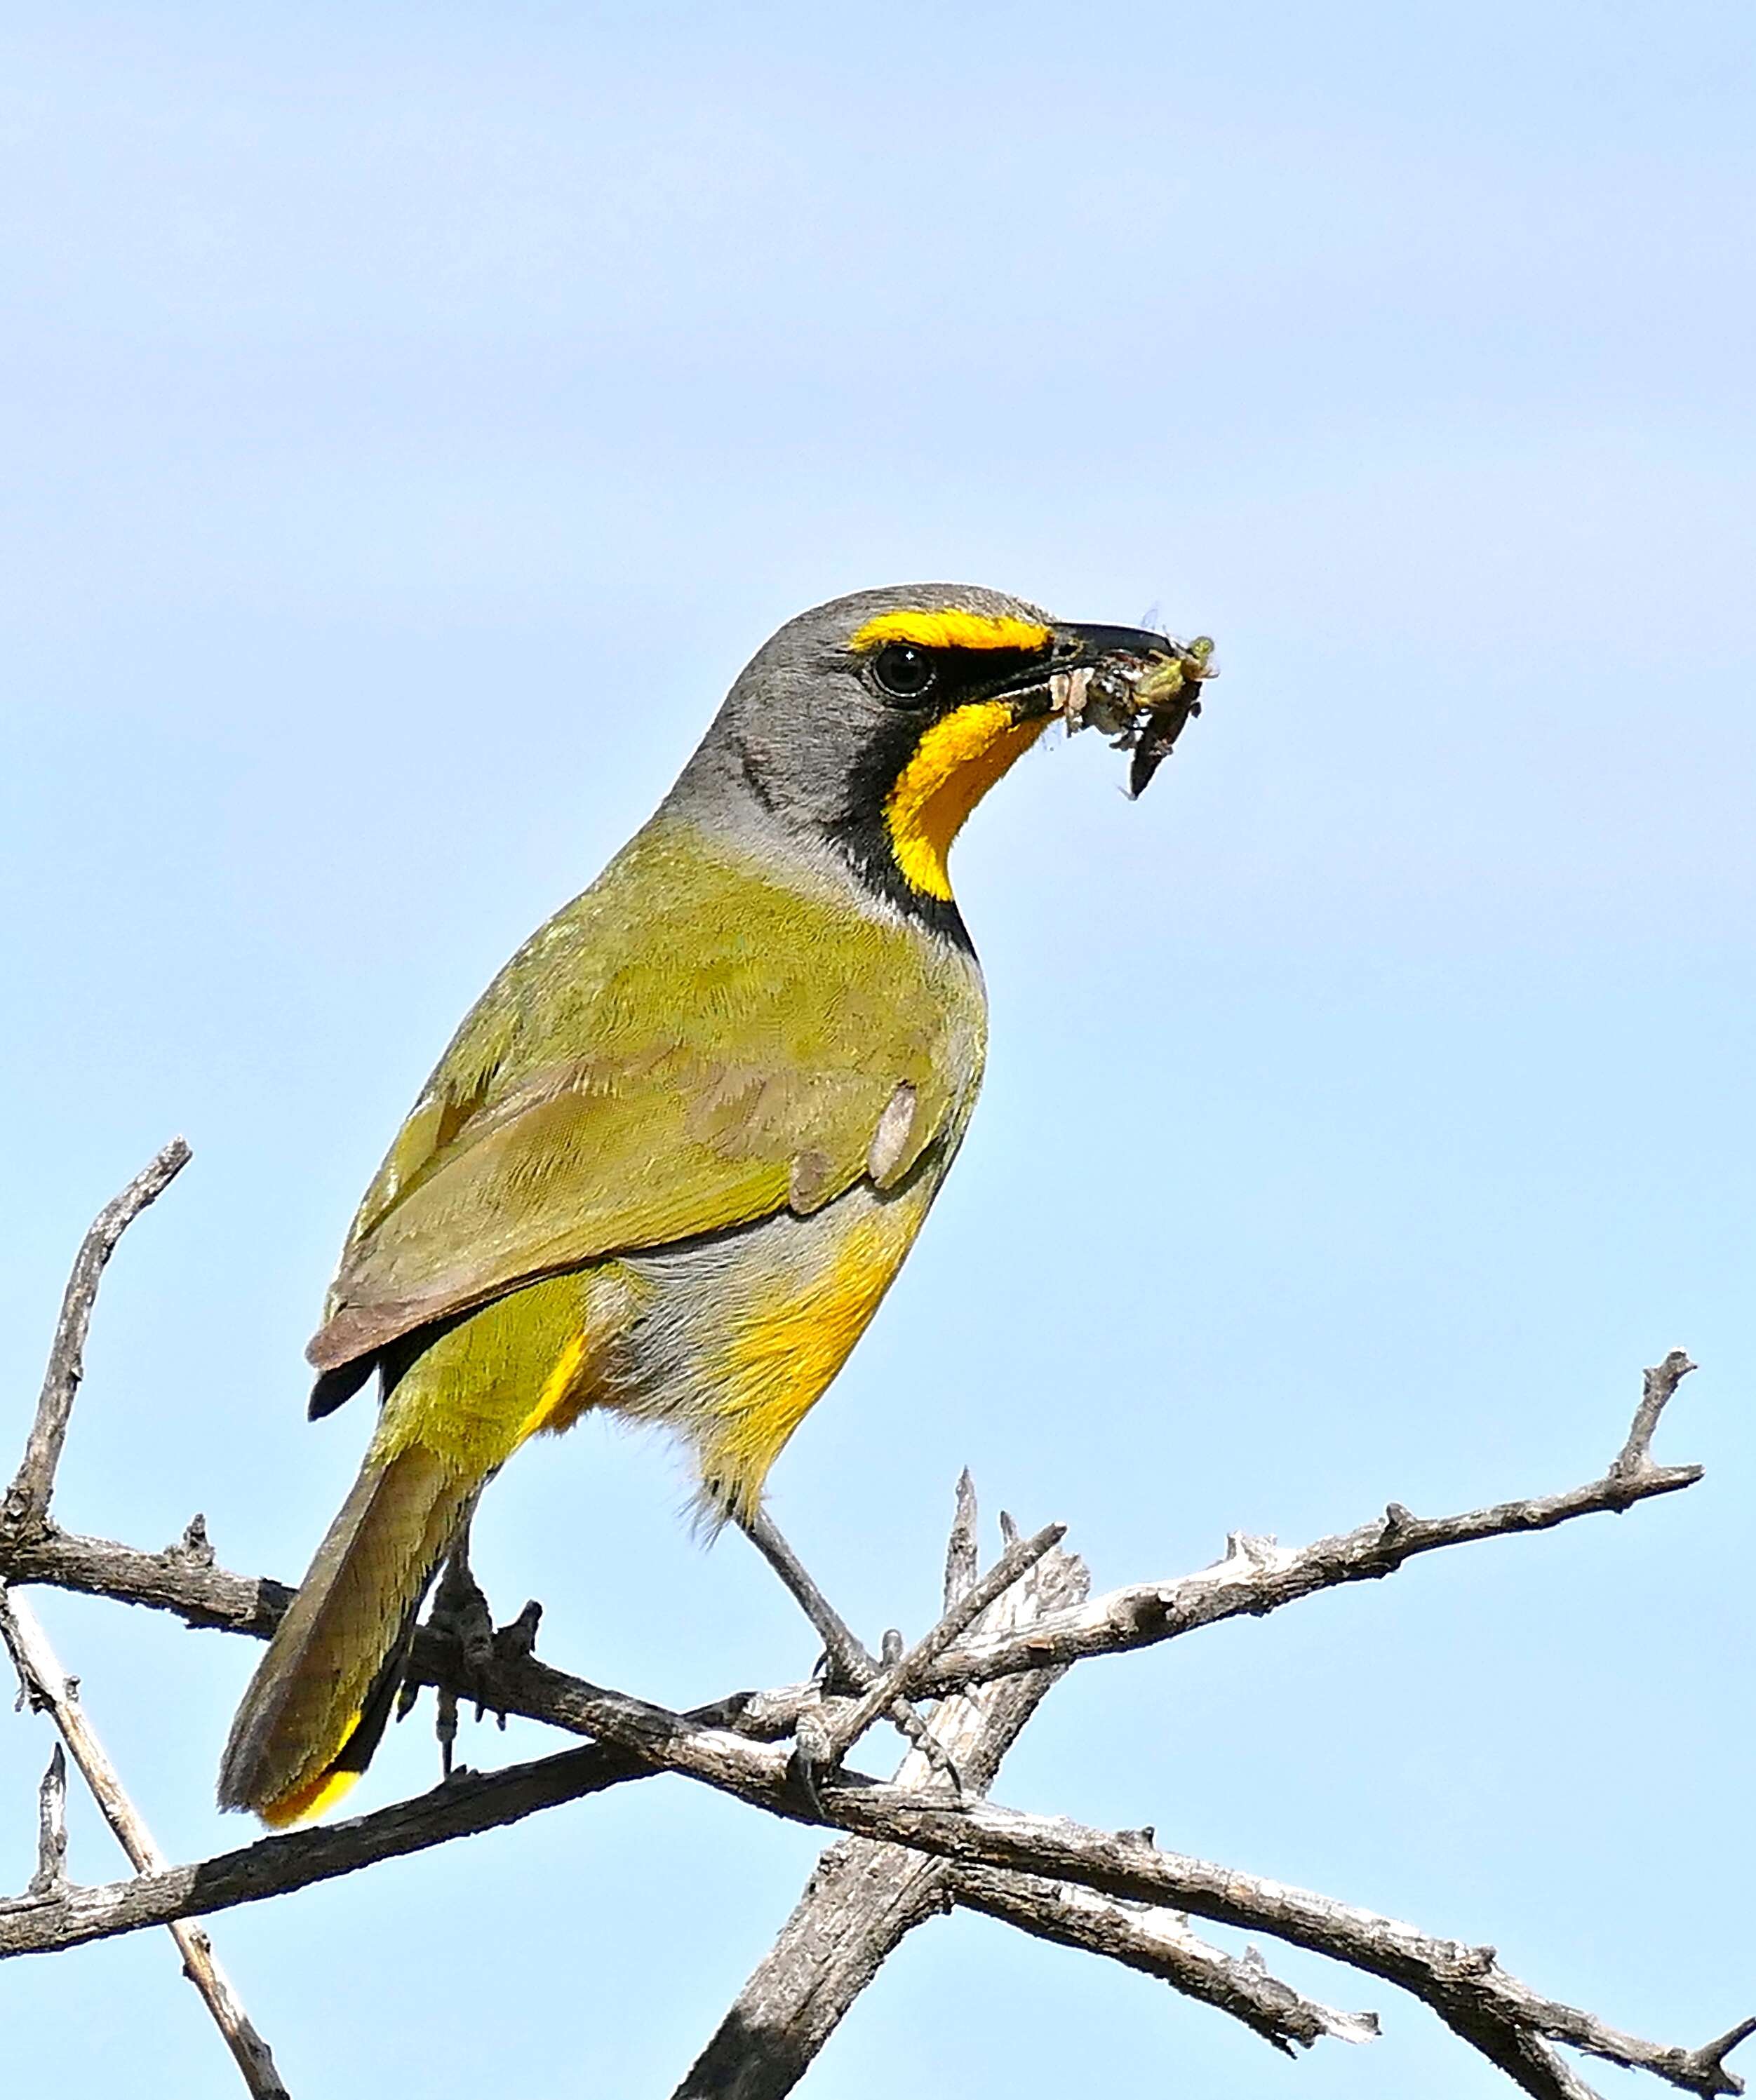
(415, 416)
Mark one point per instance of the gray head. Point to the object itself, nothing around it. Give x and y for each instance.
(871, 725)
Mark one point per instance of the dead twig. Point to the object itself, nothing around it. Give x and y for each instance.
(847, 1661)
(1159, 1943)
(900, 1679)
(963, 1554)
(51, 1877)
(1112, 1893)
(1257, 1575)
(26, 1506)
(1494, 2011)
(863, 1898)
(1634, 1462)
(48, 1689)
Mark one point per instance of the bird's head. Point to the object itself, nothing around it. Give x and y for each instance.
(874, 724)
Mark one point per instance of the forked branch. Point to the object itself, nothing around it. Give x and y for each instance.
(44, 1685)
(863, 1898)
(910, 1846)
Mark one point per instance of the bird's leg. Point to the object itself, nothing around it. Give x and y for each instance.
(460, 1610)
(847, 1663)
(851, 1665)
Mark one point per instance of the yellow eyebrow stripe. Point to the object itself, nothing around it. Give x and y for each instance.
(952, 629)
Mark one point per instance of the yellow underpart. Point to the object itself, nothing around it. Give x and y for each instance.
(954, 765)
(783, 1352)
(314, 1798)
(952, 630)
(557, 1391)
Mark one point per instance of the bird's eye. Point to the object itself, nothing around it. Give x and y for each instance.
(905, 672)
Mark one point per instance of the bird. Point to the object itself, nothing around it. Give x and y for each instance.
(675, 1155)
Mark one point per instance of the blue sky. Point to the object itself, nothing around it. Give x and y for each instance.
(414, 418)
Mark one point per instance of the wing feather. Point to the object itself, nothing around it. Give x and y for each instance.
(688, 1047)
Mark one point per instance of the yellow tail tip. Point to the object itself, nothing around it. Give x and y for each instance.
(307, 1802)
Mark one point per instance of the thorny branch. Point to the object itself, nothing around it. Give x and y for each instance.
(916, 1845)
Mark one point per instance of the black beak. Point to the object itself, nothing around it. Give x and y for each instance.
(1077, 643)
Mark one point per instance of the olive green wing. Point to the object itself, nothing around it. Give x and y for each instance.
(676, 1095)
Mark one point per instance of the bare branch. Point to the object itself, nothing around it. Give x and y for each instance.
(1633, 1461)
(1159, 1942)
(849, 1664)
(204, 1596)
(962, 1550)
(48, 1688)
(1510, 2024)
(859, 1903)
(26, 1506)
(1256, 1576)
(863, 1898)
(459, 1808)
(191, 1589)
(1497, 2014)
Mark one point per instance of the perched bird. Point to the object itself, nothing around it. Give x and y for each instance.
(676, 1153)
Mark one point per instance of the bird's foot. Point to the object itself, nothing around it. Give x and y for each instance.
(459, 1614)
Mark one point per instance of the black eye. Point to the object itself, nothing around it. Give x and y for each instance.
(905, 672)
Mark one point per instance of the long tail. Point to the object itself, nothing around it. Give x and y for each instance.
(322, 1694)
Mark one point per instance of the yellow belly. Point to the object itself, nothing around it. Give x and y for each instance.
(729, 1344)
(786, 1341)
